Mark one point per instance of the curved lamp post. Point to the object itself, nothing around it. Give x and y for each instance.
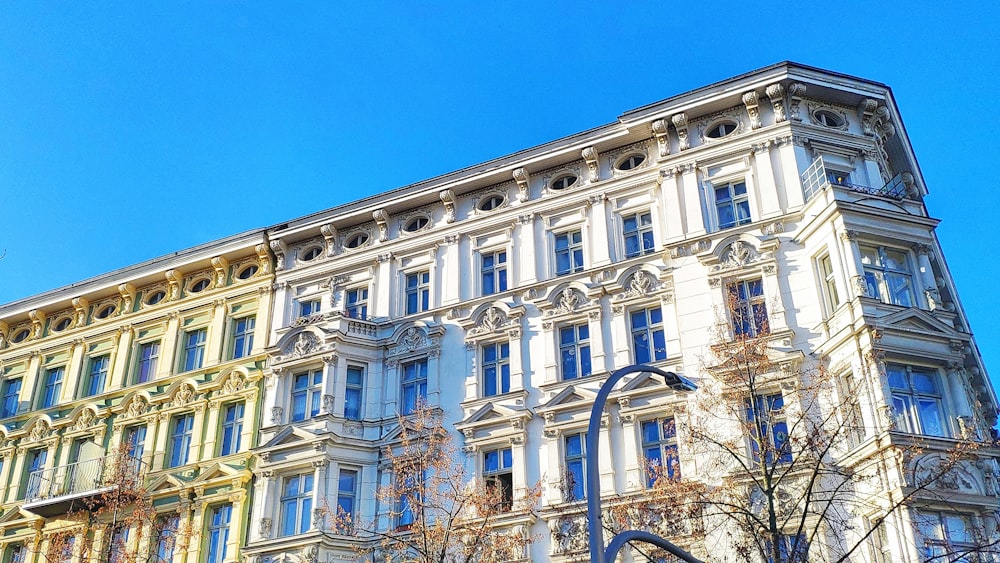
(598, 553)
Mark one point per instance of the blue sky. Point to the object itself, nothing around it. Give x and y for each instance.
(131, 130)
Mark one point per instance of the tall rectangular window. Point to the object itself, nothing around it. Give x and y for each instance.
(768, 429)
(659, 449)
(11, 397)
(648, 342)
(307, 393)
(498, 474)
(61, 550)
(135, 438)
(16, 553)
(418, 292)
(180, 439)
(118, 547)
(575, 458)
(356, 305)
(638, 233)
(916, 400)
(97, 374)
(829, 280)
(569, 252)
(946, 535)
(354, 393)
(347, 493)
(309, 307)
(52, 387)
(194, 348)
(36, 463)
(243, 336)
(496, 368)
(166, 538)
(218, 533)
(747, 310)
(149, 354)
(732, 205)
(232, 428)
(414, 385)
(493, 272)
(410, 489)
(574, 351)
(888, 277)
(296, 504)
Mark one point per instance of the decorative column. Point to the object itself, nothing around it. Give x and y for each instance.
(215, 346)
(692, 197)
(857, 286)
(168, 345)
(383, 287)
(319, 494)
(766, 186)
(121, 345)
(525, 272)
(673, 210)
(599, 244)
(451, 286)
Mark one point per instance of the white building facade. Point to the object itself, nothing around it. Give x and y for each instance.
(505, 293)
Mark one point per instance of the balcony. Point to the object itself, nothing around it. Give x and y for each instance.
(817, 178)
(82, 485)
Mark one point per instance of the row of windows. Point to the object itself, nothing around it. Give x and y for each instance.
(95, 376)
(165, 543)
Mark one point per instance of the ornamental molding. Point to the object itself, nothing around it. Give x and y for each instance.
(641, 147)
(640, 282)
(732, 115)
(566, 300)
(347, 235)
(301, 342)
(660, 130)
(415, 338)
(448, 199)
(329, 233)
(523, 179)
(739, 252)
(493, 319)
(501, 191)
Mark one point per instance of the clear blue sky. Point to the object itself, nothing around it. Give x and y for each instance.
(130, 130)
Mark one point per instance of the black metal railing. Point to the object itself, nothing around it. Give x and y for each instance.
(82, 477)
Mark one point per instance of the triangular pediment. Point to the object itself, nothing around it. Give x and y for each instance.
(12, 515)
(288, 435)
(215, 471)
(165, 482)
(487, 413)
(571, 396)
(916, 320)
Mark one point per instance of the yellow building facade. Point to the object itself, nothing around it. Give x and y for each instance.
(148, 379)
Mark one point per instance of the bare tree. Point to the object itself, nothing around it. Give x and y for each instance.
(434, 510)
(118, 524)
(788, 471)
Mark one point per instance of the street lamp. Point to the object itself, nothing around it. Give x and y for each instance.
(598, 553)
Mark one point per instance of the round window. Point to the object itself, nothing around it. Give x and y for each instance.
(720, 130)
(200, 285)
(829, 119)
(630, 162)
(563, 182)
(63, 324)
(20, 335)
(156, 297)
(491, 202)
(357, 240)
(311, 254)
(106, 312)
(248, 272)
(416, 224)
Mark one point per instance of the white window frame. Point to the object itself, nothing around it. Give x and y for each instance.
(909, 400)
(571, 249)
(877, 286)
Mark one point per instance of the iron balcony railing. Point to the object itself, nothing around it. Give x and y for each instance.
(816, 178)
(83, 477)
